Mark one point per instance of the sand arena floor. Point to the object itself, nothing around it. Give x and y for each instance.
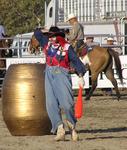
(102, 127)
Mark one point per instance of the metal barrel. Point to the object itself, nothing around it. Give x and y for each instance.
(23, 100)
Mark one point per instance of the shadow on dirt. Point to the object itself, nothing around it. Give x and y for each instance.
(113, 97)
(111, 130)
(106, 137)
(121, 129)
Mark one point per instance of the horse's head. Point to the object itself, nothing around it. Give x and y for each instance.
(5, 42)
(34, 45)
(38, 41)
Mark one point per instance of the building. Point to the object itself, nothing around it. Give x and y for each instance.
(91, 10)
(99, 17)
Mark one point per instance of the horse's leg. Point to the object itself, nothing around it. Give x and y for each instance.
(94, 77)
(110, 75)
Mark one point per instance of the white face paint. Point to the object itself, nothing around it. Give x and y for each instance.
(54, 42)
(52, 39)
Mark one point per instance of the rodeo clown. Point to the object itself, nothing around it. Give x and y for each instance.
(58, 85)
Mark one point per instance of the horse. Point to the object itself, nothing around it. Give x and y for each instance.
(34, 46)
(5, 43)
(98, 60)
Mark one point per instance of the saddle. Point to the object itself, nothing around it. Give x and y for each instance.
(82, 50)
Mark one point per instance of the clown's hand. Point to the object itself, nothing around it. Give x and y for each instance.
(81, 81)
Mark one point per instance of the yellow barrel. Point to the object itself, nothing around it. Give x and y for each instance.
(23, 100)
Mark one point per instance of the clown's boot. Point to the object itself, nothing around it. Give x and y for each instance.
(74, 134)
(60, 136)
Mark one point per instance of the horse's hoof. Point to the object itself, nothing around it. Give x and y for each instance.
(118, 97)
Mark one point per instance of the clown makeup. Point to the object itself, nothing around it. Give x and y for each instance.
(52, 39)
(54, 42)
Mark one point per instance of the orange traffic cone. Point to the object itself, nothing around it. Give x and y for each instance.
(79, 104)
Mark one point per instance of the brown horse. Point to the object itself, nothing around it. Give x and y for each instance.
(4, 52)
(34, 46)
(99, 60)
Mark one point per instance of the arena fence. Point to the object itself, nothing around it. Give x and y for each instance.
(19, 48)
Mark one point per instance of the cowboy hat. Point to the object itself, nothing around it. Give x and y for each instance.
(55, 31)
(71, 16)
(110, 39)
(89, 37)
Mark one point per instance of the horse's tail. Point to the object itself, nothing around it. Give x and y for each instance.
(117, 63)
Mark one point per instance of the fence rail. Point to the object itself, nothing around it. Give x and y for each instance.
(20, 49)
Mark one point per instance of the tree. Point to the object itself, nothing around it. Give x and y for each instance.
(21, 16)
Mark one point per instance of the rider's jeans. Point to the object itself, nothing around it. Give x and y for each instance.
(79, 44)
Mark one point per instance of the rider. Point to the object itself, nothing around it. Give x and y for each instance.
(58, 85)
(2, 31)
(118, 50)
(76, 34)
(90, 42)
(110, 41)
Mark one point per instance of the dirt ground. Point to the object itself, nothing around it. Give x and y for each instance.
(102, 127)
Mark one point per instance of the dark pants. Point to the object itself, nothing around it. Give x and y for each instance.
(78, 44)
